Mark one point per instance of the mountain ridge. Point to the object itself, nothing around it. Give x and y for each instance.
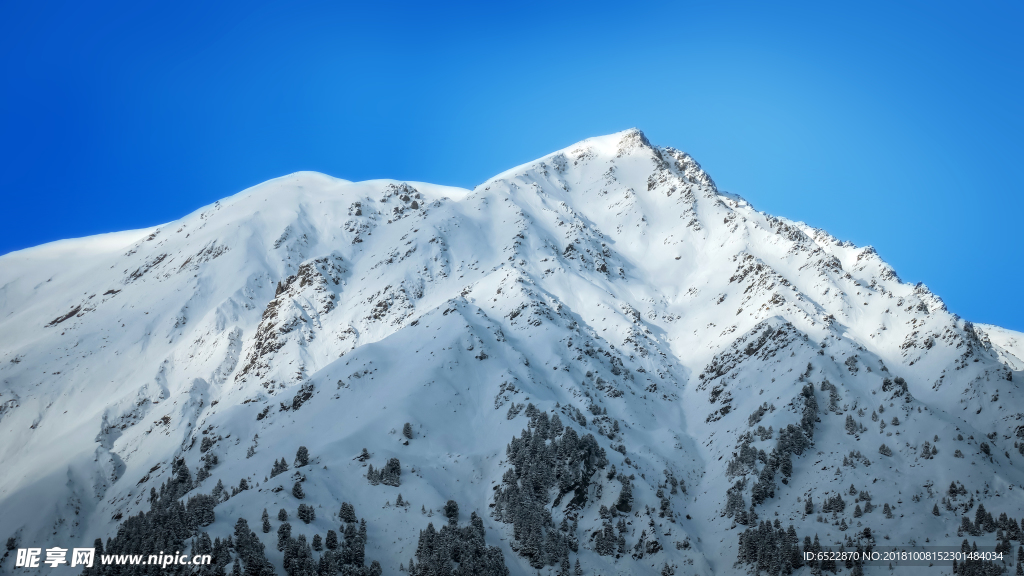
(609, 282)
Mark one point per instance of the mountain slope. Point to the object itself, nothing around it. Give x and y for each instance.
(609, 283)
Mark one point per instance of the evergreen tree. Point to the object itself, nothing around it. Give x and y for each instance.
(451, 511)
(348, 513)
(390, 475)
(331, 542)
(541, 460)
(301, 457)
(199, 510)
(282, 515)
(297, 491)
(327, 566)
(360, 556)
(436, 551)
(280, 467)
(284, 533)
(407, 430)
(786, 466)
(306, 513)
(624, 502)
(266, 521)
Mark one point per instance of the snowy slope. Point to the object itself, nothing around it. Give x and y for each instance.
(610, 283)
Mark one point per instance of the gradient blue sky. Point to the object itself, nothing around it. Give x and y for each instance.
(895, 124)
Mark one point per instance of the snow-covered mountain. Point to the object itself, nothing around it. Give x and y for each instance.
(711, 367)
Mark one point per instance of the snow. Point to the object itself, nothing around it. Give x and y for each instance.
(118, 351)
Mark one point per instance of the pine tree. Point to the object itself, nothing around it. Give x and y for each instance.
(624, 502)
(280, 467)
(407, 430)
(361, 548)
(301, 457)
(297, 491)
(284, 532)
(266, 521)
(348, 513)
(577, 571)
(451, 511)
(318, 543)
(390, 475)
(935, 509)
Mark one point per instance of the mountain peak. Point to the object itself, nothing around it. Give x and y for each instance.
(615, 144)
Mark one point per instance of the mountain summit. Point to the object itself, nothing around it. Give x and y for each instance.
(593, 360)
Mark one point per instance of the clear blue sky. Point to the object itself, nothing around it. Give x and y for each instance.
(895, 124)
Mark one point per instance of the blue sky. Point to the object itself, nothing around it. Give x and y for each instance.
(895, 124)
